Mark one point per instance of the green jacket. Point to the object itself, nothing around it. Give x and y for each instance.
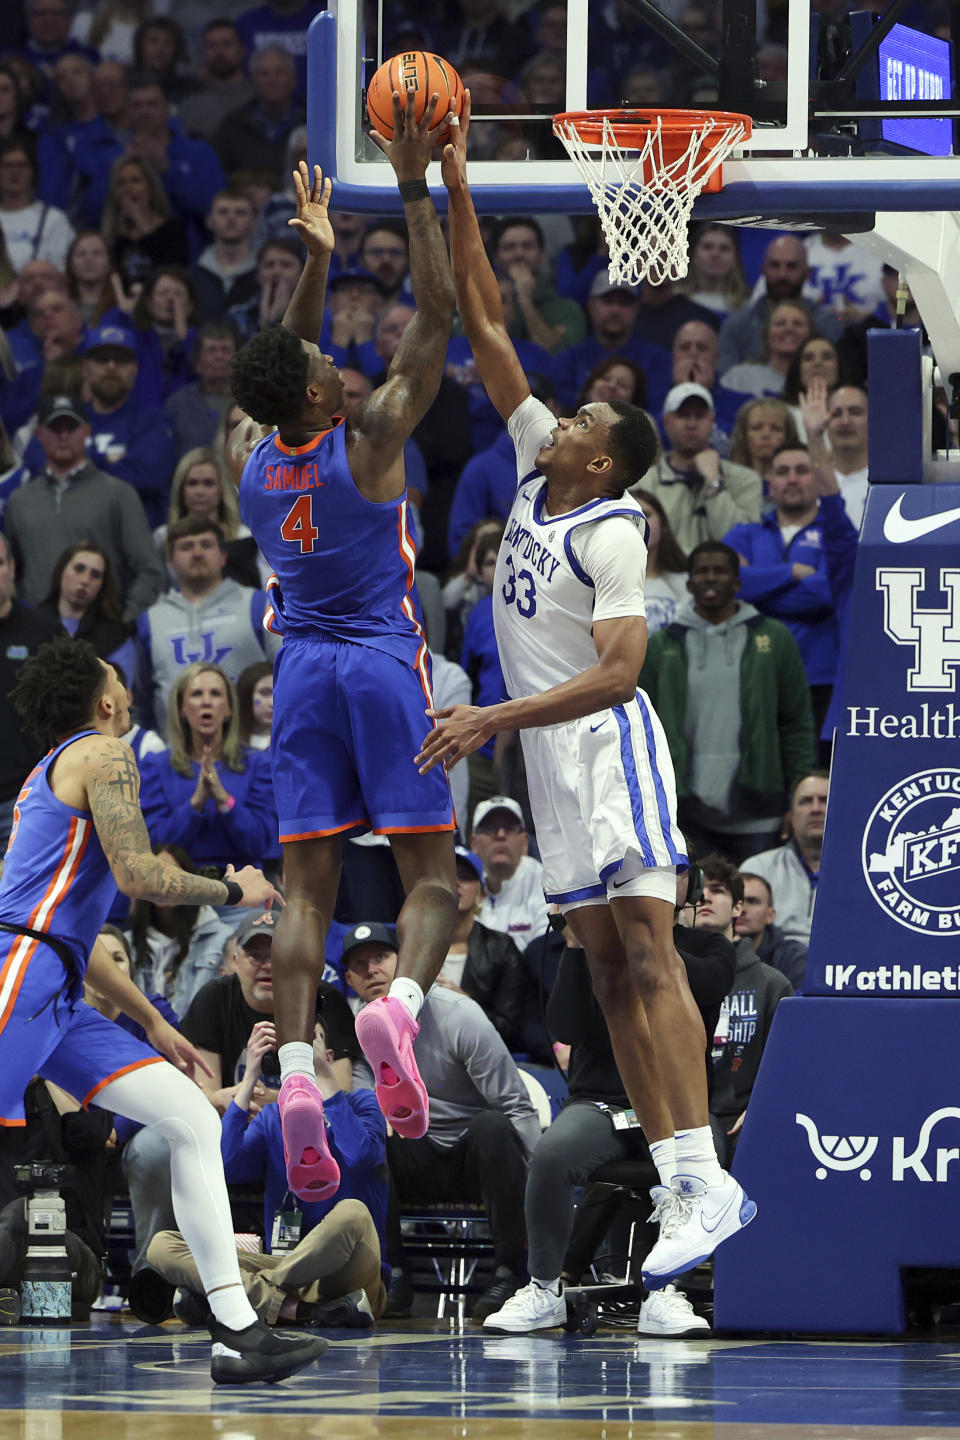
(777, 742)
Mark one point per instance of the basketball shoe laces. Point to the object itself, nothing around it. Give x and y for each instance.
(671, 1213)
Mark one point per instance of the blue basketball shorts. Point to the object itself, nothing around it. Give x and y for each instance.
(347, 723)
(43, 1032)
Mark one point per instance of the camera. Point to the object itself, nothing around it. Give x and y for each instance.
(46, 1291)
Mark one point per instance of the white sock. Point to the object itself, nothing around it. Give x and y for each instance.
(663, 1153)
(697, 1155)
(409, 994)
(552, 1285)
(296, 1058)
(232, 1308)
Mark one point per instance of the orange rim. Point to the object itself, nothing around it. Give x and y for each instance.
(630, 128)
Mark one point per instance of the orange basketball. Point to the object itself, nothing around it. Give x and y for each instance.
(423, 74)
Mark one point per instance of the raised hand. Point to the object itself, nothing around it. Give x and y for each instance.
(453, 166)
(814, 408)
(413, 140)
(312, 222)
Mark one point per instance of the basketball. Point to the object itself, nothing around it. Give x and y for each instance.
(423, 74)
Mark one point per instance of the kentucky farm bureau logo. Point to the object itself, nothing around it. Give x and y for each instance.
(911, 852)
(921, 1160)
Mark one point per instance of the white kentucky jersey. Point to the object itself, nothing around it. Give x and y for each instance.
(558, 574)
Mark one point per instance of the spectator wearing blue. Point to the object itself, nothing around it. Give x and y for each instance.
(73, 89)
(208, 792)
(129, 438)
(13, 473)
(254, 137)
(225, 273)
(189, 169)
(488, 482)
(283, 23)
(783, 568)
(613, 311)
(355, 300)
(480, 658)
(323, 1265)
(163, 331)
(48, 35)
(461, 366)
(208, 618)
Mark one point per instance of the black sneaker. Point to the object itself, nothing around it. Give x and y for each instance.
(259, 1353)
(399, 1297)
(496, 1295)
(192, 1307)
(349, 1312)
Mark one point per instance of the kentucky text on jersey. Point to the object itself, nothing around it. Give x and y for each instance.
(293, 477)
(533, 550)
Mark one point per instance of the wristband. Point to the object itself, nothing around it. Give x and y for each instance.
(234, 892)
(413, 190)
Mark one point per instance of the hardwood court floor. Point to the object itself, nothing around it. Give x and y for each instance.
(116, 1380)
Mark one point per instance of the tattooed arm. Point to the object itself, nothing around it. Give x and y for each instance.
(381, 425)
(112, 783)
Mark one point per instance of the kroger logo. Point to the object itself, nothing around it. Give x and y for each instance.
(853, 1152)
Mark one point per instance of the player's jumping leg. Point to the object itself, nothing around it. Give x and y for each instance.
(704, 1205)
(244, 1348)
(311, 874)
(387, 1028)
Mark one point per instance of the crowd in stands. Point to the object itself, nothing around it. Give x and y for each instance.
(145, 159)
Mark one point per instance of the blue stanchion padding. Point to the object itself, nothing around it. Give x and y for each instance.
(851, 1148)
(887, 917)
(895, 413)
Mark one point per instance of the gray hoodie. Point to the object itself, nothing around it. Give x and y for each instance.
(714, 653)
(224, 628)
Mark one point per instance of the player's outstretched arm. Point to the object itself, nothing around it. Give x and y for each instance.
(478, 293)
(387, 419)
(304, 314)
(621, 646)
(112, 783)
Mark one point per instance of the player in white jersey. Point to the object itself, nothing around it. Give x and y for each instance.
(569, 616)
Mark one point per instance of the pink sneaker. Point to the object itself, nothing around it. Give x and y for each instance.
(312, 1172)
(386, 1031)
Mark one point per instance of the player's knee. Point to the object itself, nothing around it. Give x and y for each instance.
(613, 984)
(653, 969)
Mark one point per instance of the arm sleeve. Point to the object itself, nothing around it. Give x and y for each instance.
(359, 1130)
(613, 553)
(529, 426)
(243, 1147)
(491, 1068)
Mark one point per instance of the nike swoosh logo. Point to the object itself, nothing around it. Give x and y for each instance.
(898, 529)
(618, 883)
(719, 1216)
(595, 728)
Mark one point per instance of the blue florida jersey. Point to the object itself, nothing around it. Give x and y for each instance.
(55, 875)
(343, 565)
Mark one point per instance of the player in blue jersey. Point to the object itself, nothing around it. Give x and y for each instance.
(572, 634)
(326, 500)
(77, 835)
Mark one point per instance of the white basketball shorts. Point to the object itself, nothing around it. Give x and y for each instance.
(604, 805)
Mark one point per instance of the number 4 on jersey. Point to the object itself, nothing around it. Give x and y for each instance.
(298, 527)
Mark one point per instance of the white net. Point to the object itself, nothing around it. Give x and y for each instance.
(644, 195)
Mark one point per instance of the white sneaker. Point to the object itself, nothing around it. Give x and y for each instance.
(693, 1224)
(531, 1308)
(669, 1312)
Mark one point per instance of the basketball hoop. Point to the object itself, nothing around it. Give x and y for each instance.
(644, 170)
